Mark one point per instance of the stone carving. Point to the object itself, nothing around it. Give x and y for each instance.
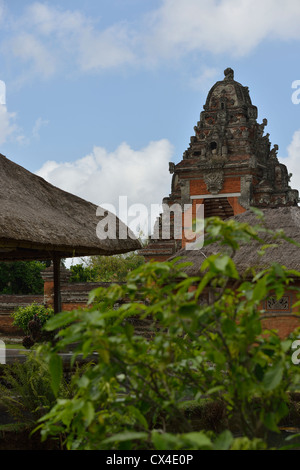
(281, 304)
(252, 113)
(171, 167)
(274, 152)
(229, 74)
(224, 150)
(214, 181)
(246, 191)
(261, 128)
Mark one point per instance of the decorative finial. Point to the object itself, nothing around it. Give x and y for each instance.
(229, 74)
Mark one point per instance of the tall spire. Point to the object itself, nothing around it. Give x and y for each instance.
(230, 164)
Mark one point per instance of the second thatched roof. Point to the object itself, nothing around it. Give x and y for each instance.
(284, 253)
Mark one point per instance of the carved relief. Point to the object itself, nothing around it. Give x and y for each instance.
(171, 167)
(214, 181)
(282, 304)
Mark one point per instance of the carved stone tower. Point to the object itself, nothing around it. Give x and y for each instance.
(229, 165)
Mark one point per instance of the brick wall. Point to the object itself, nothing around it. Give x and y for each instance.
(72, 295)
(231, 184)
(285, 325)
(281, 318)
(10, 303)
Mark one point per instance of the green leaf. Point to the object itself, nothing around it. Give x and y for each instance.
(138, 415)
(213, 390)
(198, 440)
(56, 372)
(286, 345)
(229, 327)
(83, 382)
(270, 422)
(166, 441)
(126, 436)
(88, 412)
(223, 441)
(59, 320)
(260, 290)
(188, 310)
(129, 331)
(273, 377)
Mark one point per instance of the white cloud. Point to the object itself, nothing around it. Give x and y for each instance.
(105, 49)
(39, 123)
(7, 124)
(29, 49)
(2, 93)
(102, 177)
(292, 161)
(2, 11)
(221, 26)
(49, 20)
(49, 38)
(203, 80)
(11, 131)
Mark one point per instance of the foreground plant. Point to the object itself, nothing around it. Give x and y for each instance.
(196, 348)
(25, 390)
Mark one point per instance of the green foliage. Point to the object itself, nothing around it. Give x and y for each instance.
(115, 268)
(81, 273)
(106, 268)
(23, 315)
(21, 277)
(202, 347)
(25, 390)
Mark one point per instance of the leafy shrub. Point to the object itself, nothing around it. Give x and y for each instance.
(23, 315)
(106, 268)
(25, 389)
(215, 348)
(21, 277)
(80, 273)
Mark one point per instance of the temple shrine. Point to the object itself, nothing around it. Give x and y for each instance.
(229, 166)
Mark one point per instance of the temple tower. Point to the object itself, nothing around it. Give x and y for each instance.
(229, 165)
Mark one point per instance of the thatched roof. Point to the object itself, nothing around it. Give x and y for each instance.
(38, 220)
(285, 253)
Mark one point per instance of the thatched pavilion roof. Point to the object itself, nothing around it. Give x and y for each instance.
(285, 253)
(38, 220)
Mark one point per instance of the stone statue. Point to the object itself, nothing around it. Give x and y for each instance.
(171, 167)
(261, 127)
(274, 151)
(229, 74)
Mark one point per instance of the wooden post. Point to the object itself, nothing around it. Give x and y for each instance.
(56, 275)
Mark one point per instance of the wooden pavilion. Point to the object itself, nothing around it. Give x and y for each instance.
(39, 221)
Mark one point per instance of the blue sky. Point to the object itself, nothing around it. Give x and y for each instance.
(102, 94)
